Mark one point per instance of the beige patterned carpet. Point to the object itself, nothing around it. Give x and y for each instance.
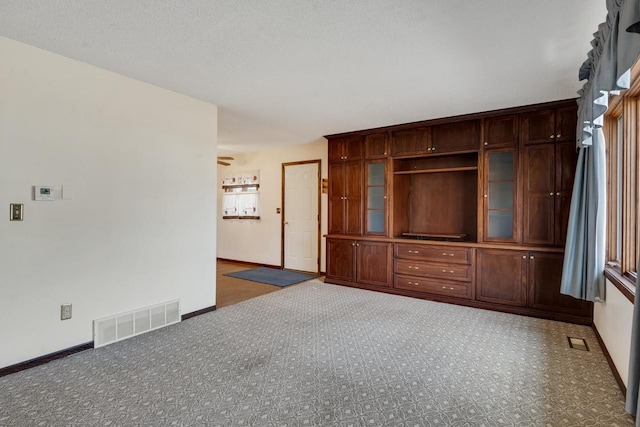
(317, 354)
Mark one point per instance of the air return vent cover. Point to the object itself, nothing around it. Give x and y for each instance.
(126, 325)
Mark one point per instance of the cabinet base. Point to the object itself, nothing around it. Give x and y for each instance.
(523, 311)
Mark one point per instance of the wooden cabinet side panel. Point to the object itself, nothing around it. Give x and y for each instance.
(501, 277)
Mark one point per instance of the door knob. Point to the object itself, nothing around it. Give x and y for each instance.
(286, 222)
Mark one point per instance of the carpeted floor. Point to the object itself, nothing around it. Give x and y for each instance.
(320, 355)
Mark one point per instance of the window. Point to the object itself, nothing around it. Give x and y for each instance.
(621, 124)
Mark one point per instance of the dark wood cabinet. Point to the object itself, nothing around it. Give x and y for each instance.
(545, 272)
(376, 146)
(375, 197)
(469, 210)
(374, 263)
(548, 181)
(345, 199)
(455, 137)
(502, 277)
(359, 261)
(341, 260)
(412, 142)
(345, 149)
(501, 131)
(500, 196)
(549, 125)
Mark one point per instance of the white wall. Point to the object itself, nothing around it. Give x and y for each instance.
(259, 241)
(140, 228)
(613, 321)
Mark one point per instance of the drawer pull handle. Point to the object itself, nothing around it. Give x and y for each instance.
(445, 254)
(414, 283)
(412, 267)
(447, 271)
(448, 288)
(413, 252)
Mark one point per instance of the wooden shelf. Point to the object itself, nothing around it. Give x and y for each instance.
(439, 170)
(433, 236)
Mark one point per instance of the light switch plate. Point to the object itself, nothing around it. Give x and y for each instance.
(16, 210)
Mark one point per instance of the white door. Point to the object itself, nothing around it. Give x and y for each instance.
(301, 217)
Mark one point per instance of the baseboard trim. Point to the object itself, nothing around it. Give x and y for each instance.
(198, 312)
(32, 363)
(248, 263)
(615, 372)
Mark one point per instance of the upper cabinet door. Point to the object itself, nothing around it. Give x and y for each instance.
(501, 131)
(539, 194)
(455, 137)
(375, 146)
(345, 148)
(411, 142)
(566, 123)
(538, 127)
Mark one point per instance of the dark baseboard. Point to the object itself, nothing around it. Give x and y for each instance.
(249, 264)
(32, 363)
(616, 375)
(198, 312)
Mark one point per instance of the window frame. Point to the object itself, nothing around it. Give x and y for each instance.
(623, 186)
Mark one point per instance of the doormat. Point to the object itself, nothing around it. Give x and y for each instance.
(272, 276)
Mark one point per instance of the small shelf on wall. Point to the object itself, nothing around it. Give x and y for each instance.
(241, 197)
(438, 170)
(443, 237)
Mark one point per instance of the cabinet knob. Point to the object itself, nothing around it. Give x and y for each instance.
(485, 196)
(357, 244)
(531, 257)
(353, 244)
(551, 194)
(428, 149)
(433, 148)
(552, 137)
(558, 193)
(558, 136)
(524, 257)
(486, 143)
(385, 153)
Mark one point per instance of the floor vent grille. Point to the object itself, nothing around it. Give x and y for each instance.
(121, 326)
(578, 343)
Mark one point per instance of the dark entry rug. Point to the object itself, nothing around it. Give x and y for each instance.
(272, 276)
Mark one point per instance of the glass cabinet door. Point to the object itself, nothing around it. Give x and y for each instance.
(500, 195)
(376, 198)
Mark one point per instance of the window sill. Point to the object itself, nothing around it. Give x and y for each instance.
(624, 284)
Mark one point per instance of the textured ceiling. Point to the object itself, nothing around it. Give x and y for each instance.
(286, 72)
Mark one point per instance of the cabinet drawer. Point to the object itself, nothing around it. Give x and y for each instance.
(433, 253)
(440, 287)
(425, 269)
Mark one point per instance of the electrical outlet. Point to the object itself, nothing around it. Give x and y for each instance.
(65, 311)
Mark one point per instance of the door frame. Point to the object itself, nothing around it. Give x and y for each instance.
(303, 162)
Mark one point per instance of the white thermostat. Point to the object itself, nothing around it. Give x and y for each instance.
(44, 193)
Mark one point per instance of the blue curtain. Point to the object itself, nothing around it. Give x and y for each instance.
(616, 47)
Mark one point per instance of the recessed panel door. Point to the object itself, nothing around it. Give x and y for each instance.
(301, 217)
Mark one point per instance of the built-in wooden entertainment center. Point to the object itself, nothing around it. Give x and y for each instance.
(468, 210)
